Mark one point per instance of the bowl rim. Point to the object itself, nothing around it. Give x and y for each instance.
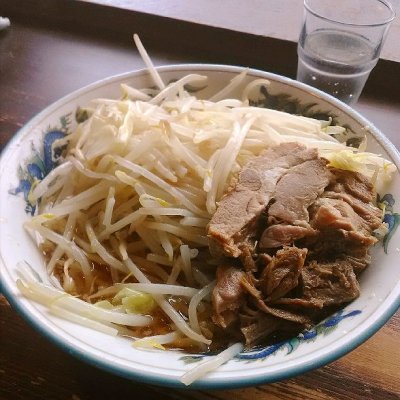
(204, 383)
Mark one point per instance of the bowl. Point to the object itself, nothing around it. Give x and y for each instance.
(26, 157)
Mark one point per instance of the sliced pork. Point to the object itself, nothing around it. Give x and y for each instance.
(283, 235)
(282, 273)
(235, 220)
(332, 283)
(294, 233)
(228, 295)
(297, 189)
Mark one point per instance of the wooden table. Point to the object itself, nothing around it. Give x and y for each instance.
(39, 63)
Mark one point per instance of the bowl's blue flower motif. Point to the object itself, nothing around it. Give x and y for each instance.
(391, 218)
(35, 171)
(50, 155)
(41, 162)
(323, 328)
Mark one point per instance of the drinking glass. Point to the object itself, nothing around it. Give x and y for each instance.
(340, 42)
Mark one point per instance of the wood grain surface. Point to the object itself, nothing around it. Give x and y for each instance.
(39, 63)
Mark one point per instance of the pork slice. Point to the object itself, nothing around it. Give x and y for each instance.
(283, 235)
(359, 261)
(261, 328)
(237, 212)
(334, 244)
(341, 229)
(371, 214)
(336, 214)
(249, 284)
(281, 275)
(352, 183)
(297, 189)
(299, 304)
(358, 238)
(331, 284)
(228, 295)
(246, 257)
(288, 315)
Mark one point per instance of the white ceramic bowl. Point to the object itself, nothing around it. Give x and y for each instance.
(339, 334)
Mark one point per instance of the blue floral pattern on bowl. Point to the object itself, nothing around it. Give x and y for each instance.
(391, 218)
(42, 161)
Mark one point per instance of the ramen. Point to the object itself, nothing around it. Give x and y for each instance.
(122, 221)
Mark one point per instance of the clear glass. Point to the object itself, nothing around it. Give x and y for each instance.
(340, 42)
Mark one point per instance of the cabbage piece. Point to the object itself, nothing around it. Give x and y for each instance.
(104, 304)
(134, 302)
